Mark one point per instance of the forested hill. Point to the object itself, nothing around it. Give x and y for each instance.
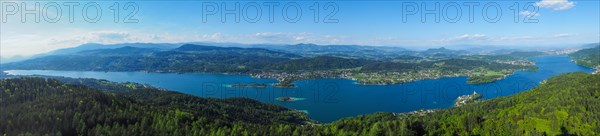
(564, 105)
(587, 57)
(187, 58)
(41, 106)
(191, 58)
(320, 63)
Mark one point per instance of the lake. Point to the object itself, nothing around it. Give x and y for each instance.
(326, 100)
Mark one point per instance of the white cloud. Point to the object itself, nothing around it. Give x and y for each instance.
(556, 4)
(465, 38)
(561, 38)
(107, 36)
(471, 37)
(213, 37)
(564, 35)
(529, 14)
(41, 42)
(302, 37)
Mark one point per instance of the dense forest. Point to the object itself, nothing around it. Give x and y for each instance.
(39, 106)
(587, 57)
(564, 105)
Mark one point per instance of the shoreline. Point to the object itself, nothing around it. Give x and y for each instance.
(289, 83)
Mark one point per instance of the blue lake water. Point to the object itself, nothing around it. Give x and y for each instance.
(327, 100)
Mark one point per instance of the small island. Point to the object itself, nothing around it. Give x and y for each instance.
(465, 99)
(248, 86)
(484, 79)
(285, 99)
(284, 85)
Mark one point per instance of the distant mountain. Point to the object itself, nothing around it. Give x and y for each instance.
(440, 53)
(379, 53)
(187, 58)
(93, 46)
(191, 48)
(83, 47)
(304, 47)
(127, 50)
(490, 50)
(407, 58)
(345, 51)
(190, 58)
(444, 51)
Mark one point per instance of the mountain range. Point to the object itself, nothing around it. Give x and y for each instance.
(307, 50)
(190, 58)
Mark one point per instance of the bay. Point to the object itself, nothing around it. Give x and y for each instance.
(327, 99)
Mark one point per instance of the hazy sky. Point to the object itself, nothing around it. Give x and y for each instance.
(389, 23)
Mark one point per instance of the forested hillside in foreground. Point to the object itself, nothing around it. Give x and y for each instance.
(567, 104)
(41, 106)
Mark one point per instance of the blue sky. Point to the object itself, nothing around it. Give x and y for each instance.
(377, 23)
